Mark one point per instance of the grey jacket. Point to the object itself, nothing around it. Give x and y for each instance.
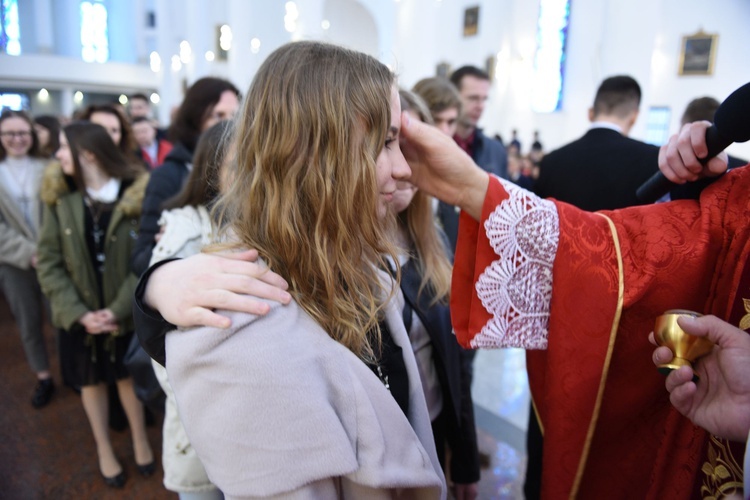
(275, 407)
(17, 240)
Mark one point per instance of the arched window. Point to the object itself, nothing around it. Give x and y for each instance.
(10, 36)
(549, 62)
(94, 40)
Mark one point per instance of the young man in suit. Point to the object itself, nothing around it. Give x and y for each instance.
(604, 168)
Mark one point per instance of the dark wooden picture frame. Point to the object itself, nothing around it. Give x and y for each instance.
(489, 67)
(443, 70)
(698, 54)
(471, 21)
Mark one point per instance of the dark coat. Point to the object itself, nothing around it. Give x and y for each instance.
(601, 170)
(65, 269)
(693, 190)
(492, 157)
(166, 181)
(454, 373)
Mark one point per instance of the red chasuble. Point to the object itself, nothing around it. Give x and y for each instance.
(581, 291)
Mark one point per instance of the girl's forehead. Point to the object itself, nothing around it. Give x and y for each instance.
(395, 107)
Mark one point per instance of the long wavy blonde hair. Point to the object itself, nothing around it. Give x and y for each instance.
(304, 193)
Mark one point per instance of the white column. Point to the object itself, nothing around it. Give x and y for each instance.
(253, 19)
(167, 45)
(44, 26)
(124, 24)
(384, 16)
(200, 27)
(67, 106)
(311, 14)
(67, 27)
(138, 32)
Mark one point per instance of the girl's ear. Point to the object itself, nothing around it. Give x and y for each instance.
(87, 157)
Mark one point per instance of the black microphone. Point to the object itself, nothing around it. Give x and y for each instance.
(731, 124)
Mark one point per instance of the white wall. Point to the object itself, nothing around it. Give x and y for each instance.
(606, 37)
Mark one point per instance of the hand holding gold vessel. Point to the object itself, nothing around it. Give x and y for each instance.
(685, 347)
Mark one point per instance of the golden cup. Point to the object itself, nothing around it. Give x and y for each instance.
(685, 347)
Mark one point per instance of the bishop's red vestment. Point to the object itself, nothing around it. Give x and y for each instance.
(581, 291)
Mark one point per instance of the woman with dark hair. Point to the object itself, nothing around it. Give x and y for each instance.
(116, 124)
(207, 102)
(21, 169)
(92, 207)
(114, 121)
(47, 129)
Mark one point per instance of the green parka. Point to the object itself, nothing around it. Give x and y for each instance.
(64, 266)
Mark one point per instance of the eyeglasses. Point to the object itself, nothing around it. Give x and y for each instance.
(10, 135)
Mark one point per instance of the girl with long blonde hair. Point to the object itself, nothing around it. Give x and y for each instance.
(321, 397)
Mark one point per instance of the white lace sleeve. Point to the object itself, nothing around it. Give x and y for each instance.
(516, 289)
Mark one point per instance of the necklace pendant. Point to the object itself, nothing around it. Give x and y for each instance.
(98, 233)
(384, 379)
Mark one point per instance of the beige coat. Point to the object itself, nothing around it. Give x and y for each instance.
(186, 231)
(17, 241)
(276, 408)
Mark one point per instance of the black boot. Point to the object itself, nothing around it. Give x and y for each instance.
(42, 392)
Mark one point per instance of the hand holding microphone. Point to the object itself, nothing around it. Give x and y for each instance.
(691, 154)
(685, 157)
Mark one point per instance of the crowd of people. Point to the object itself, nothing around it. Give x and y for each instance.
(76, 195)
(303, 240)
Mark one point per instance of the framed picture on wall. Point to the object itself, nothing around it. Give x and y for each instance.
(471, 21)
(489, 67)
(443, 70)
(698, 54)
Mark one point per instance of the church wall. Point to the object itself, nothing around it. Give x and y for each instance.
(606, 37)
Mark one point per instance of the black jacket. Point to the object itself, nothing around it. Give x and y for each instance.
(166, 181)
(453, 367)
(600, 171)
(693, 190)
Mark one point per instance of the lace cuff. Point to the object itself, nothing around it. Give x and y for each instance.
(516, 289)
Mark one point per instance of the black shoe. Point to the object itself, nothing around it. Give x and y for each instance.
(117, 481)
(148, 469)
(43, 392)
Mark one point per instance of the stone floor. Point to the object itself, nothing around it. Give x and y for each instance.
(501, 408)
(50, 453)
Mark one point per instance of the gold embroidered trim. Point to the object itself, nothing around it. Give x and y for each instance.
(607, 360)
(538, 418)
(722, 475)
(745, 320)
